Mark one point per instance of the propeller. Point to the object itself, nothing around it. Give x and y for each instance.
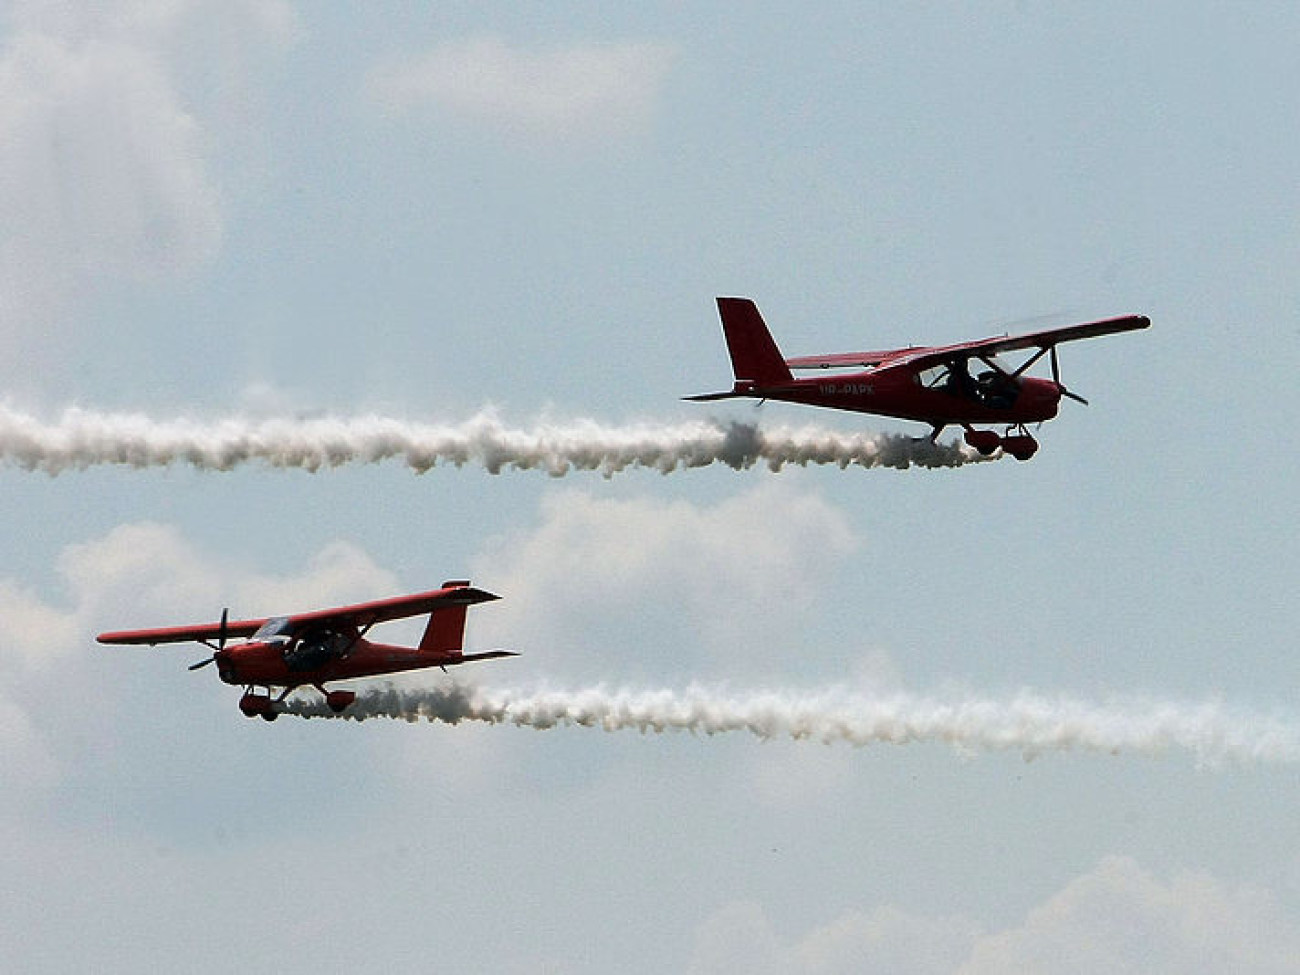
(1056, 378)
(221, 643)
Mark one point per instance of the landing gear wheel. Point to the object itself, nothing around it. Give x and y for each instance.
(1021, 446)
(985, 441)
(339, 701)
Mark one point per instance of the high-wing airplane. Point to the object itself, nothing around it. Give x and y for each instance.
(310, 649)
(931, 384)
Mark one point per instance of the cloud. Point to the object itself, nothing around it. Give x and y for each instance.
(559, 93)
(740, 937)
(1120, 918)
(104, 174)
(601, 573)
(1116, 918)
(105, 171)
(33, 634)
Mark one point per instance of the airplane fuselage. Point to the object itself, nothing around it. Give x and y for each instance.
(900, 393)
(267, 664)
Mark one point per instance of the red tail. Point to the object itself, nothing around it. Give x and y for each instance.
(444, 634)
(754, 355)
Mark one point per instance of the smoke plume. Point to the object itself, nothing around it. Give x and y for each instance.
(1028, 723)
(83, 438)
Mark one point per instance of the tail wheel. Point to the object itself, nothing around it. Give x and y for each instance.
(339, 701)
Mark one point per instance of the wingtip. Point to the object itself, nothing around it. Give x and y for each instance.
(462, 589)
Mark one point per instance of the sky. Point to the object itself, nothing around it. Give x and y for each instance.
(975, 718)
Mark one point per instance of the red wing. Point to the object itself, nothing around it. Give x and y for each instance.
(1033, 340)
(923, 355)
(364, 615)
(204, 632)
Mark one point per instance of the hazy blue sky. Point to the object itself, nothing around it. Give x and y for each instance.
(267, 209)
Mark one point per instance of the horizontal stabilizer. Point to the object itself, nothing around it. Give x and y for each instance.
(484, 655)
(707, 397)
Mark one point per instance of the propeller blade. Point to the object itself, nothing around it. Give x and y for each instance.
(1056, 378)
(221, 643)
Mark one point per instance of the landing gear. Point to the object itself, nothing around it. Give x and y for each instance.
(1019, 445)
(256, 705)
(985, 441)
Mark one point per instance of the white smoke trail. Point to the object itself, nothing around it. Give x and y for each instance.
(1027, 723)
(84, 438)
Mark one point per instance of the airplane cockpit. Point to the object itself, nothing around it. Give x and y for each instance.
(997, 389)
(315, 648)
(993, 387)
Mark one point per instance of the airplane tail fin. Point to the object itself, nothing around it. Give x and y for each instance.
(444, 634)
(754, 355)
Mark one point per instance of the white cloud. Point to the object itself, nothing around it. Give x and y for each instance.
(105, 172)
(740, 937)
(578, 90)
(338, 574)
(1116, 918)
(1120, 918)
(600, 576)
(33, 634)
(102, 172)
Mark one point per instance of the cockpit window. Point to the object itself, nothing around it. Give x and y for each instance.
(933, 378)
(275, 629)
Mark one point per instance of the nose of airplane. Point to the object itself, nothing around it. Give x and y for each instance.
(1041, 398)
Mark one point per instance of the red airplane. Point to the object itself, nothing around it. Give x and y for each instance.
(932, 384)
(325, 645)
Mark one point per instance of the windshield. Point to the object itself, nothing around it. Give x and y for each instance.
(276, 628)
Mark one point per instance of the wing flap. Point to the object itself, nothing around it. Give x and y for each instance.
(845, 360)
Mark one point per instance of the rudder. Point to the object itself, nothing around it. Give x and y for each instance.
(754, 355)
(444, 634)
